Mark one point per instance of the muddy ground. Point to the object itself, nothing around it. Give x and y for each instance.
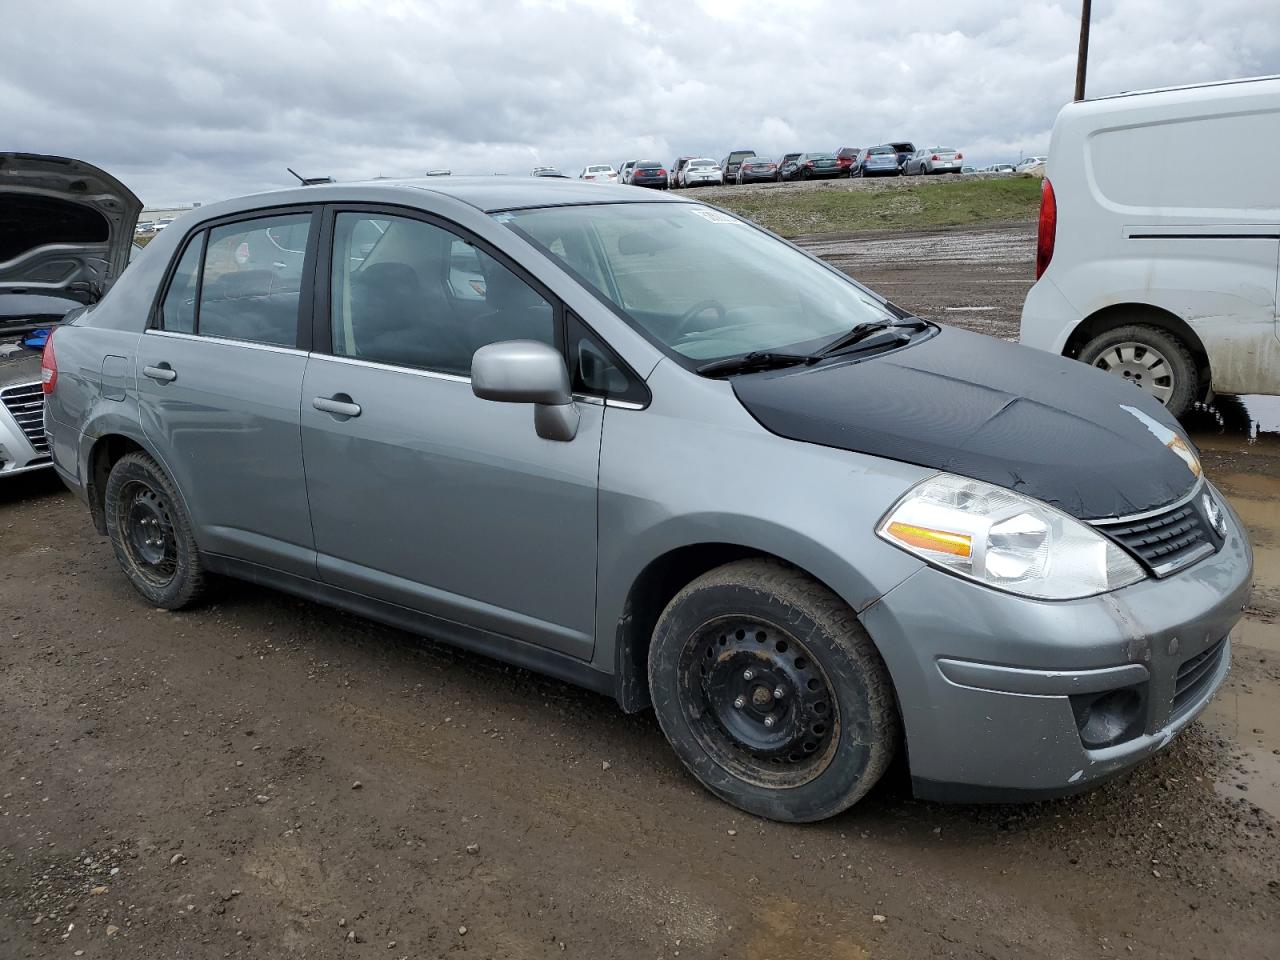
(262, 777)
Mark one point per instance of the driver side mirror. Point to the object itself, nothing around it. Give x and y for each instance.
(527, 371)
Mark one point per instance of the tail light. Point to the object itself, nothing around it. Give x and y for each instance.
(808, 163)
(934, 157)
(1048, 231)
(959, 156)
(49, 366)
(662, 173)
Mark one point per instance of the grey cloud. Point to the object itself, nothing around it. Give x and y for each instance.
(196, 103)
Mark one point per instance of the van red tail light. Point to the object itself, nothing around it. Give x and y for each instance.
(1048, 231)
(49, 366)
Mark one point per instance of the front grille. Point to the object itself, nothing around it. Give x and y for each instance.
(26, 404)
(1168, 540)
(1195, 674)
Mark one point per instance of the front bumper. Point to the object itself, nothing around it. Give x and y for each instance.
(18, 453)
(991, 685)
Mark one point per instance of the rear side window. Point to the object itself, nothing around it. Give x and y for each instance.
(252, 280)
(178, 311)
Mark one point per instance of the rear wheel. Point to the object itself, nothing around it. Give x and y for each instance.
(771, 693)
(1150, 358)
(151, 534)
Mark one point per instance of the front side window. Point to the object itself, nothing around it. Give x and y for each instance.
(699, 281)
(421, 296)
(252, 279)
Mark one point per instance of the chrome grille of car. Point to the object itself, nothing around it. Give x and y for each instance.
(1195, 674)
(1166, 540)
(26, 403)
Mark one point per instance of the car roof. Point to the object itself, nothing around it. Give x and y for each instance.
(487, 194)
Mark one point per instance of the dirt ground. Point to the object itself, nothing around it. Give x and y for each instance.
(262, 777)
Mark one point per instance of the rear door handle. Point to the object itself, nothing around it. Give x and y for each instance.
(161, 372)
(340, 405)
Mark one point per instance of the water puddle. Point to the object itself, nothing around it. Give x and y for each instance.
(1250, 715)
(1253, 419)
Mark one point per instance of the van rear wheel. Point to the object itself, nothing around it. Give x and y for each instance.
(771, 693)
(1149, 357)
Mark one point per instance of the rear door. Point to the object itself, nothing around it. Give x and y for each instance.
(219, 373)
(421, 493)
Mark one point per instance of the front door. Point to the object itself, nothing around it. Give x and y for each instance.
(219, 377)
(422, 494)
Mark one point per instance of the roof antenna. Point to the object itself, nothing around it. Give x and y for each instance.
(309, 181)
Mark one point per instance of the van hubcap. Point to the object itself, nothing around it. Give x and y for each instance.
(759, 702)
(148, 529)
(1141, 365)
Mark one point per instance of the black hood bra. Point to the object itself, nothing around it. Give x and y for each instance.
(1044, 426)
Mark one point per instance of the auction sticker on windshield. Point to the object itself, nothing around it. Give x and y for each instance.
(715, 216)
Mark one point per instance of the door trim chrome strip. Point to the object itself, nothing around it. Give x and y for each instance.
(224, 341)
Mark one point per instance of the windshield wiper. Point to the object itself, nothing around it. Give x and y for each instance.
(757, 360)
(866, 330)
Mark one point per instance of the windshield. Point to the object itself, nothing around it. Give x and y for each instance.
(703, 163)
(702, 283)
(877, 151)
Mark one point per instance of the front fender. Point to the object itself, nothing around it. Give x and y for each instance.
(669, 481)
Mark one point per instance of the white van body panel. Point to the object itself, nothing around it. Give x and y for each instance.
(1141, 223)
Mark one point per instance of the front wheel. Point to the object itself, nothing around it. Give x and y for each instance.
(771, 693)
(1152, 359)
(151, 533)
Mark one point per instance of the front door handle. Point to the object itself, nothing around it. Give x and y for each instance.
(161, 372)
(340, 405)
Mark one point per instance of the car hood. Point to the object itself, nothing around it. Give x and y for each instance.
(66, 228)
(1054, 429)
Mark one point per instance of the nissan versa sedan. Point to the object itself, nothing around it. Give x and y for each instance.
(661, 453)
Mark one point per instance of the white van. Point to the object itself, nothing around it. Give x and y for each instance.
(1155, 261)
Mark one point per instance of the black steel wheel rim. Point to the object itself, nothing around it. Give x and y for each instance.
(759, 702)
(148, 532)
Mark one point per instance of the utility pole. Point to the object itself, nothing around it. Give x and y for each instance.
(1082, 58)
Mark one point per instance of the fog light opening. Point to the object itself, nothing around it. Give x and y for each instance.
(1107, 718)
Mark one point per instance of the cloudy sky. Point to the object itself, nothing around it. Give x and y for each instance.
(196, 102)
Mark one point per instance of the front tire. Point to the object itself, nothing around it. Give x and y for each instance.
(771, 693)
(151, 533)
(1152, 359)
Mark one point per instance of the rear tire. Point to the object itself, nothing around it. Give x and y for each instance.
(1150, 357)
(151, 533)
(771, 693)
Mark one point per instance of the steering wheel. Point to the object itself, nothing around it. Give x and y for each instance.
(702, 306)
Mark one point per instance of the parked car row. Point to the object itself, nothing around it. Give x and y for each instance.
(747, 166)
(149, 228)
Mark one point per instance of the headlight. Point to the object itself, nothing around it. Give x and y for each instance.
(1004, 540)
